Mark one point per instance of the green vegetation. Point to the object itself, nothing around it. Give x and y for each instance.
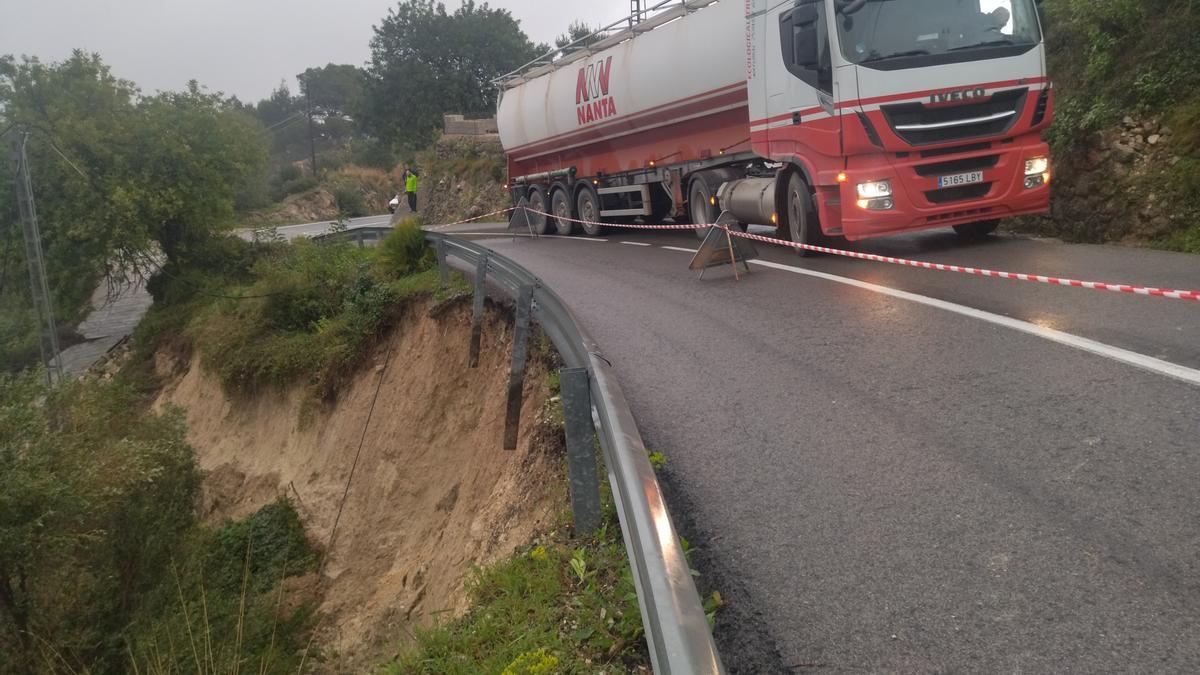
(104, 567)
(120, 178)
(1119, 60)
(426, 62)
(270, 315)
(1116, 57)
(577, 608)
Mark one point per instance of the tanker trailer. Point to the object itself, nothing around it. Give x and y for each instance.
(823, 118)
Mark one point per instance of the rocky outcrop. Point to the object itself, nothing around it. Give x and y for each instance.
(1117, 187)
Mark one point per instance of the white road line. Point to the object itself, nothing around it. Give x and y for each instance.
(634, 243)
(685, 250)
(503, 234)
(1189, 375)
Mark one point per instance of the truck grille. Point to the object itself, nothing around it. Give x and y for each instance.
(958, 194)
(957, 166)
(919, 124)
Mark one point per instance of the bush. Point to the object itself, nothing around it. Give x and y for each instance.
(312, 312)
(290, 173)
(405, 251)
(298, 186)
(350, 200)
(95, 495)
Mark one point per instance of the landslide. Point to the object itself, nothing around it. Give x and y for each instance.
(1126, 135)
(433, 492)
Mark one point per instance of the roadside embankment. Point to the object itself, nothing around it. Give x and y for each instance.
(433, 492)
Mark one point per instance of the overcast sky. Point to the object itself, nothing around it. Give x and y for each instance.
(242, 47)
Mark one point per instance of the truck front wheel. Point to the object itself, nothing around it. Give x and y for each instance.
(801, 226)
(700, 206)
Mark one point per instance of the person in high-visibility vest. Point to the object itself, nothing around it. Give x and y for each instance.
(410, 187)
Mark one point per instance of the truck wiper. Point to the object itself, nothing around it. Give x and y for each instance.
(897, 55)
(988, 43)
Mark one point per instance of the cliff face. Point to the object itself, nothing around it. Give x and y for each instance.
(432, 494)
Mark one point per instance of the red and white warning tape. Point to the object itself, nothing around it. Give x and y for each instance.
(1168, 293)
(471, 220)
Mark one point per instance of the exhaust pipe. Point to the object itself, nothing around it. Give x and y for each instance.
(750, 200)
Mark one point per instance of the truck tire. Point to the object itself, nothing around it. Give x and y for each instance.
(561, 208)
(537, 202)
(587, 205)
(700, 207)
(977, 230)
(800, 224)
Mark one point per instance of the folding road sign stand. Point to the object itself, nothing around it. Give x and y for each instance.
(720, 248)
(521, 216)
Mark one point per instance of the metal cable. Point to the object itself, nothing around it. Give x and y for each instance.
(354, 465)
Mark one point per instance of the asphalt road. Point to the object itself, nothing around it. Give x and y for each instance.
(901, 485)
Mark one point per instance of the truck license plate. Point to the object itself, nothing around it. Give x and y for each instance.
(960, 179)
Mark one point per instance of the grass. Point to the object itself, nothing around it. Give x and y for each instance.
(301, 313)
(560, 606)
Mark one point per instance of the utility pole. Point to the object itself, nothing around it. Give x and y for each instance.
(312, 145)
(38, 285)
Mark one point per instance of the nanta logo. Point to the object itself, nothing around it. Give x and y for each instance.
(592, 101)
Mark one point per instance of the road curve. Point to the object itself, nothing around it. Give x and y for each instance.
(883, 485)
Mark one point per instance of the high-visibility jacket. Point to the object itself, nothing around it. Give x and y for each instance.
(410, 183)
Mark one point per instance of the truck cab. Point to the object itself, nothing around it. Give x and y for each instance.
(899, 115)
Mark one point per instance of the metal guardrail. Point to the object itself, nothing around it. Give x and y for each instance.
(677, 632)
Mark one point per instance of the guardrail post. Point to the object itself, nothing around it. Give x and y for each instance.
(443, 269)
(477, 315)
(581, 449)
(516, 378)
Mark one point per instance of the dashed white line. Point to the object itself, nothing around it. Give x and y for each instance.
(677, 248)
(1189, 375)
(634, 243)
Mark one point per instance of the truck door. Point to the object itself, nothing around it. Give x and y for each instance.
(801, 93)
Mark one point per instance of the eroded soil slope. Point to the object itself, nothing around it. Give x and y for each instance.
(433, 491)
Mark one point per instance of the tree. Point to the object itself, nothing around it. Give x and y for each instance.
(334, 90)
(579, 35)
(118, 177)
(426, 62)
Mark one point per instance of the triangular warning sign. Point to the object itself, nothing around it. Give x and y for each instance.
(722, 248)
(521, 219)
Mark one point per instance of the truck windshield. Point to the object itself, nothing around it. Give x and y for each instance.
(879, 31)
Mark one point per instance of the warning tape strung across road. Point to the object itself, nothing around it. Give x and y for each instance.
(1171, 294)
(471, 220)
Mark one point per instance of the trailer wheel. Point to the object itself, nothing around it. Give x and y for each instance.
(801, 226)
(588, 206)
(537, 202)
(700, 206)
(560, 206)
(977, 230)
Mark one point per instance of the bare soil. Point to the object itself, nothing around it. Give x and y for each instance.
(433, 492)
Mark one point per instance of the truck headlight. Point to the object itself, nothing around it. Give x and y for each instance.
(1036, 166)
(875, 189)
(875, 196)
(1037, 172)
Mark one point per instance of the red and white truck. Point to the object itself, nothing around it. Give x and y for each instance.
(851, 118)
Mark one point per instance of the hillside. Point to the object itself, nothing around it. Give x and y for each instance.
(1126, 135)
